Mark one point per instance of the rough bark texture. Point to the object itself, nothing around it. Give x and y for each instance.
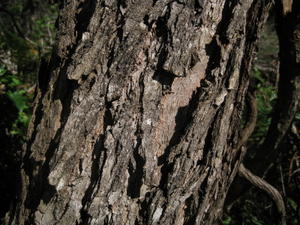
(138, 112)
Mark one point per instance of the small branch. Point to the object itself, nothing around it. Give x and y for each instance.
(247, 174)
(265, 186)
(282, 180)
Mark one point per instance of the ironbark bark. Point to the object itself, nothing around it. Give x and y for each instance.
(138, 112)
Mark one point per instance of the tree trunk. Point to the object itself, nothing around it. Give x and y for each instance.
(138, 113)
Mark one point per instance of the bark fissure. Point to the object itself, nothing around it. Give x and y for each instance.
(99, 159)
(85, 11)
(144, 113)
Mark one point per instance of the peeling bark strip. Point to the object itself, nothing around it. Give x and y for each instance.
(141, 113)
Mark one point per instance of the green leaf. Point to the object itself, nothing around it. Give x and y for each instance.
(14, 82)
(18, 99)
(292, 203)
(2, 71)
(24, 118)
(227, 220)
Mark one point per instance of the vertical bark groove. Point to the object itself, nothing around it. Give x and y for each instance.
(140, 113)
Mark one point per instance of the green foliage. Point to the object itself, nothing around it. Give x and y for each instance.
(18, 99)
(11, 86)
(27, 33)
(266, 94)
(227, 220)
(2, 71)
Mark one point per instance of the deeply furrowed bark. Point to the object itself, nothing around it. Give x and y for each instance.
(137, 113)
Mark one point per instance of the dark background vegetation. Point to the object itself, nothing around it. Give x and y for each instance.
(27, 34)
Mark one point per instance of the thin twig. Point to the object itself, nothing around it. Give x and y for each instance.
(282, 180)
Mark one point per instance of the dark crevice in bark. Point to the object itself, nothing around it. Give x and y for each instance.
(154, 2)
(110, 58)
(251, 31)
(86, 10)
(65, 95)
(147, 23)
(166, 169)
(162, 31)
(203, 189)
(99, 156)
(107, 221)
(183, 118)
(144, 212)
(136, 171)
(63, 87)
(208, 143)
(190, 212)
(49, 190)
(227, 15)
(197, 19)
(44, 76)
(162, 57)
(198, 6)
(121, 3)
(108, 117)
(165, 78)
(120, 19)
(213, 49)
(214, 52)
(119, 31)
